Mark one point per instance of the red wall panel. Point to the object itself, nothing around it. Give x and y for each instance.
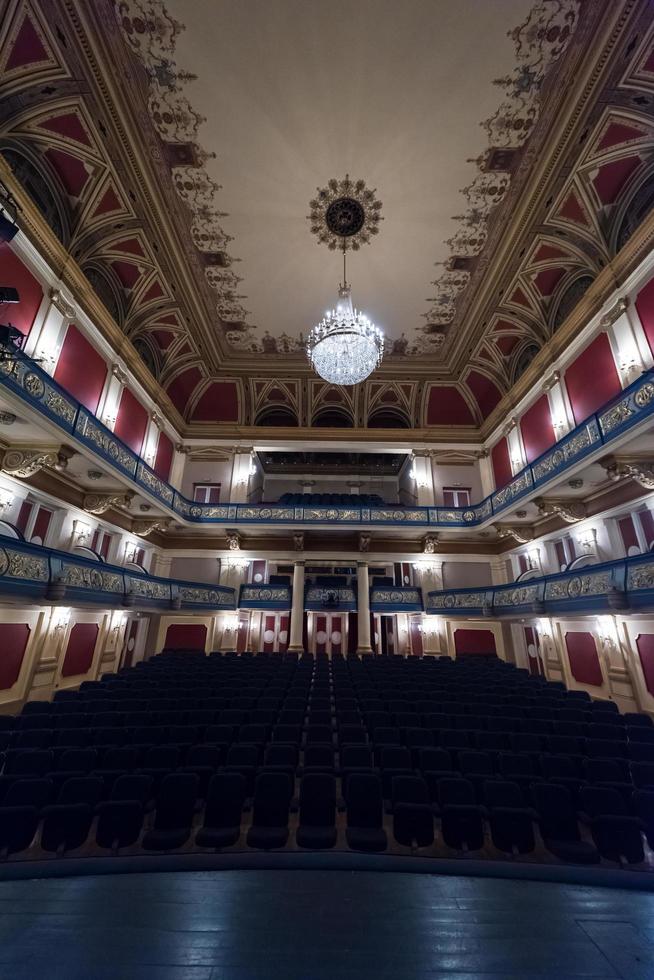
(584, 662)
(13, 644)
(592, 379)
(164, 458)
(486, 393)
(185, 636)
(79, 651)
(41, 525)
(415, 634)
(219, 403)
(283, 638)
(474, 641)
(447, 406)
(645, 644)
(537, 429)
(131, 421)
(337, 630)
(645, 308)
(647, 524)
(629, 536)
(14, 273)
(80, 369)
(501, 464)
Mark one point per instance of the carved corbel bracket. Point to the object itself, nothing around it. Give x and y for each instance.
(429, 544)
(144, 526)
(364, 542)
(99, 503)
(521, 534)
(24, 463)
(233, 540)
(570, 510)
(615, 312)
(298, 540)
(61, 304)
(640, 470)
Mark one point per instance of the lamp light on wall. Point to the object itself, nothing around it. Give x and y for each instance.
(6, 500)
(587, 540)
(81, 533)
(607, 632)
(231, 623)
(61, 619)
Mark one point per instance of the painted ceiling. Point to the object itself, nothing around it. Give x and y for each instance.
(102, 125)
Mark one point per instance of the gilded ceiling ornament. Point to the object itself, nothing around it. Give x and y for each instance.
(345, 214)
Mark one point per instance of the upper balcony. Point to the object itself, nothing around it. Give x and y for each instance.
(626, 415)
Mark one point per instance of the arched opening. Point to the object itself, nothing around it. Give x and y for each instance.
(522, 360)
(569, 300)
(634, 212)
(277, 415)
(107, 290)
(333, 418)
(388, 418)
(41, 190)
(148, 355)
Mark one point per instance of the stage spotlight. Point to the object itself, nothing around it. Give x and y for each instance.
(11, 339)
(9, 295)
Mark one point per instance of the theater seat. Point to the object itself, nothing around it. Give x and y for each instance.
(174, 812)
(119, 823)
(316, 829)
(272, 799)
(364, 813)
(222, 814)
(558, 825)
(65, 826)
(18, 826)
(413, 821)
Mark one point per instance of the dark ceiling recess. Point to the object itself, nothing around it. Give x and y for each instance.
(379, 464)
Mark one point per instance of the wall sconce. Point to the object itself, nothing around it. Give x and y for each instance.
(110, 419)
(48, 359)
(516, 464)
(81, 533)
(6, 500)
(61, 621)
(606, 631)
(231, 623)
(587, 542)
(240, 564)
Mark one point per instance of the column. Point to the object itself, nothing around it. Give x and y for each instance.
(110, 399)
(296, 640)
(45, 340)
(486, 476)
(241, 472)
(363, 609)
(177, 467)
(151, 440)
(422, 473)
(560, 409)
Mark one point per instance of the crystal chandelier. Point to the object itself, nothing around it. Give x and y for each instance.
(345, 347)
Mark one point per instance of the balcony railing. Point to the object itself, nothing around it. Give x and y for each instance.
(626, 584)
(33, 571)
(26, 379)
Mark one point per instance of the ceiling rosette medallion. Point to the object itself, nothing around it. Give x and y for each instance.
(345, 214)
